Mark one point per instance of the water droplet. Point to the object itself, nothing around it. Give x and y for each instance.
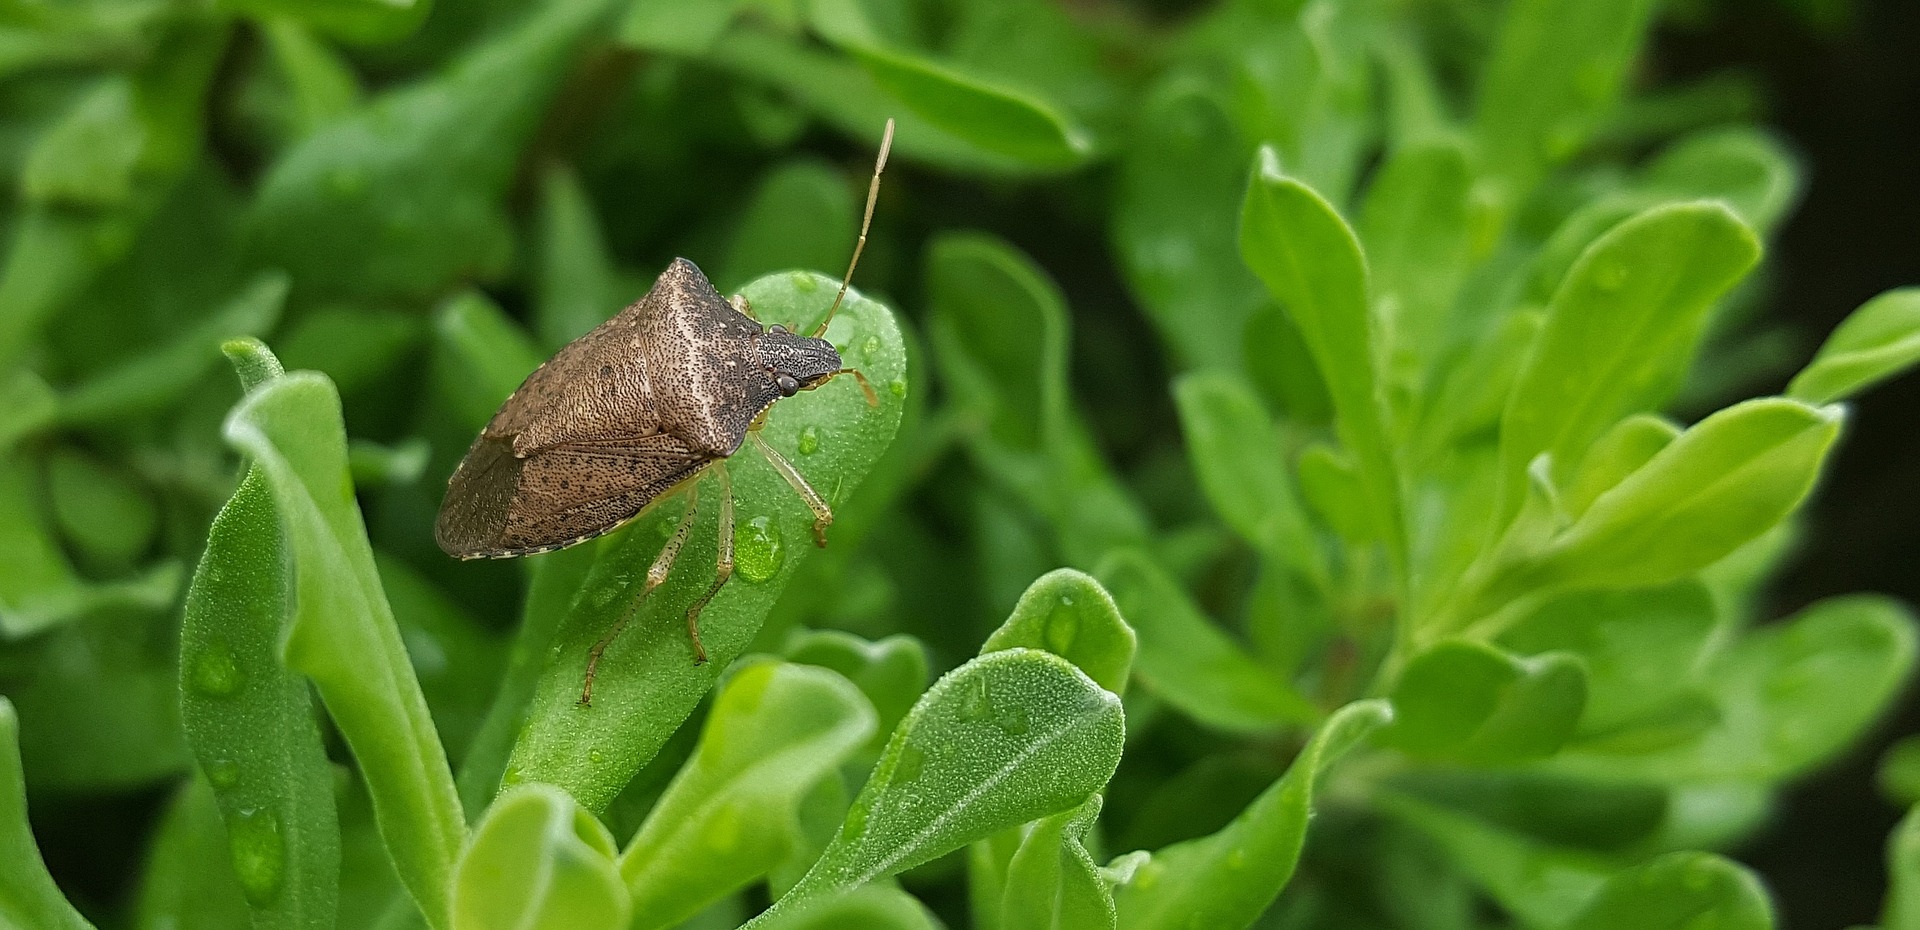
(805, 283)
(809, 440)
(1063, 627)
(511, 776)
(856, 822)
(897, 387)
(912, 760)
(869, 347)
(975, 704)
(259, 855)
(757, 549)
(215, 671)
(1013, 719)
(223, 773)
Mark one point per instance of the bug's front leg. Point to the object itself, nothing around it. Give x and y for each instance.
(822, 514)
(722, 571)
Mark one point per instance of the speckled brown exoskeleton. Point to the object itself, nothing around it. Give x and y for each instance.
(634, 412)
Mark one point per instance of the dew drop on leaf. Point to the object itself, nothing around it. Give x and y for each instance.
(757, 549)
(259, 854)
(912, 760)
(809, 440)
(897, 387)
(223, 773)
(804, 282)
(869, 347)
(215, 672)
(1063, 626)
(976, 704)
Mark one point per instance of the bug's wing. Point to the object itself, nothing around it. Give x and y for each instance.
(499, 504)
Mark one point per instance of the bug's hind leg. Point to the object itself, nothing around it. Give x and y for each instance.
(722, 572)
(656, 576)
(822, 514)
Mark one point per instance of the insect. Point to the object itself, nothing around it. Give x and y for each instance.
(634, 412)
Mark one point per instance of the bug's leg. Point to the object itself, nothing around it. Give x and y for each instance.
(822, 514)
(656, 576)
(722, 572)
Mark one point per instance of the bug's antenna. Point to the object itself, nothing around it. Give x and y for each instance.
(873, 194)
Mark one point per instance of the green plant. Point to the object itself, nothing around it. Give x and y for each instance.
(1452, 598)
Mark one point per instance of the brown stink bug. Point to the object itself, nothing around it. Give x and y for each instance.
(634, 412)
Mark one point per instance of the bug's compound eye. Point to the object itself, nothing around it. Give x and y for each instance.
(787, 385)
(777, 328)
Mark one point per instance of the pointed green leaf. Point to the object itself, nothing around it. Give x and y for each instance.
(1052, 881)
(1226, 879)
(1679, 891)
(1471, 702)
(1188, 660)
(1009, 737)
(1236, 455)
(1297, 244)
(731, 814)
(28, 896)
(1620, 332)
(1538, 883)
(539, 862)
(1876, 342)
(1067, 613)
(343, 635)
(250, 720)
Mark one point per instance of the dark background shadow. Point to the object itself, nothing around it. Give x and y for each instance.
(1849, 99)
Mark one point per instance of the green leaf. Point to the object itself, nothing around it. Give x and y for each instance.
(891, 672)
(649, 682)
(186, 881)
(343, 635)
(1236, 455)
(250, 721)
(1538, 883)
(88, 156)
(360, 21)
(1620, 332)
(1052, 882)
(1791, 695)
(457, 661)
(39, 588)
(1000, 333)
(732, 812)
(1897, 775)
(480, 357)
(1416, 226)
(1179, 183)
(1754, 172)
(1308, 257)
(404, 195)
(1189, 661)
(1876, 342)
(322, 83)
(577, 286)
(1555, 71)
(1641, 648)
(802, 215)
(1902, 910)
(1009, 737)
(1471, 702)
(1619, 452)
(998, 118)
(1226, 879)
(1723, 482)
(1679, 891)
(1331, 486)
(154, 381)
(1067, 613)
(28, 896)
(879, 906)
(677, 26)
(106, 516)
(538, 862)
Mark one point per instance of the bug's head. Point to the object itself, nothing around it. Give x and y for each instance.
(802, 363)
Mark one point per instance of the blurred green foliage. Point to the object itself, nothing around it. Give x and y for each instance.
(1401, 482)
